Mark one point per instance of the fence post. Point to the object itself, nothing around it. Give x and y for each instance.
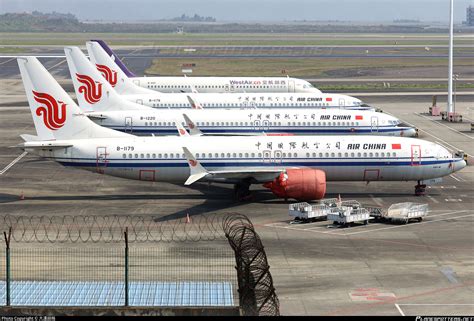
(7, 270)
(126, 266)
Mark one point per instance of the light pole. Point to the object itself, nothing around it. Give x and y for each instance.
(455, 78)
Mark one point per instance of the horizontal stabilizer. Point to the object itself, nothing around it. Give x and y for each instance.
(95, 116)
(42, 145)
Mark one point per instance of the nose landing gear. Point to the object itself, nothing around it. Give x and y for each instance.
(420, 189)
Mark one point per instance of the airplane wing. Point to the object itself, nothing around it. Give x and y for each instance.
(197, 172)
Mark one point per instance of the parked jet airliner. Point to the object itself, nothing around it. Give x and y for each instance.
(214, 84)
(109, 109)
(124, 86)
(290, 166)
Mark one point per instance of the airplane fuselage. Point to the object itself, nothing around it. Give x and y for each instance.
(226, 84)
(347, 158)
(255, 121)
(248, 100)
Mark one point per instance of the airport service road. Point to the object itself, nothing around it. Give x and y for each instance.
(420, 268)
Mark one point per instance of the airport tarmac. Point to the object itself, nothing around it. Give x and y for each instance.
(139, 59)
(382, 269)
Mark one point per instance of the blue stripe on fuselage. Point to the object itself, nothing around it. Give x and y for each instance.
(173, 130)
(257, 163)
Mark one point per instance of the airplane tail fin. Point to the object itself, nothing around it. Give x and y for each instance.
(114, 57)
(93, 92)
(112, 73)
(194, 103)
(55, 115)
(193, 129)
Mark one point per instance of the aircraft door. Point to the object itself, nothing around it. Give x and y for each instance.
(415, 155)
(342, 102)
(371, 175)
(267, 156)
(128, 124)
(277, 156)
(226, 87)
(136, 82)
(140, 101)
(146, 175)
(101, 159)
(291, 86)
(266, 124)
(256, 125)
(374, 124)
(232, 88)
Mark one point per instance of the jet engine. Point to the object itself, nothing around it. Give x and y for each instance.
(304, 184)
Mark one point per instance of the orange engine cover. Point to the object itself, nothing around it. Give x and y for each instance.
(304, 184)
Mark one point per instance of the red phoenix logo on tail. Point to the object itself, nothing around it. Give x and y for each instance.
(53, 118)
(92, 90)
(109, 74)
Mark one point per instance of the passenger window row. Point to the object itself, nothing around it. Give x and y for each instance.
(259, 155)
(267, 123)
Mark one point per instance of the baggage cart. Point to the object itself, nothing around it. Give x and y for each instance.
(406, 212)
(347, 215)
(305, 212)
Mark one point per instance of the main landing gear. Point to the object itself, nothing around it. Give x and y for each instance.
(420, 189)
(242, 191)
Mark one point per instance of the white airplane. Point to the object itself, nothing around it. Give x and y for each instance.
(290, 166)
(132, 92)
(212, 84)
(109, 109)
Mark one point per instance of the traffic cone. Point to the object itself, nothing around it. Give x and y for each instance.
(22, 196)
(188, 219)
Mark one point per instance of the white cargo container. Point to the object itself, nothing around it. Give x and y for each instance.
(405, 212)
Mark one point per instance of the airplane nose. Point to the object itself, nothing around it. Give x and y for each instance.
(459, 164)
(411, 132)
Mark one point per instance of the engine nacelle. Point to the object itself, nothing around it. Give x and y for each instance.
(304, 184)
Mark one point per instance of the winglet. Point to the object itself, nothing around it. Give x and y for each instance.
(193, 129)
(196, 170)
(194, 104)
(180, 128)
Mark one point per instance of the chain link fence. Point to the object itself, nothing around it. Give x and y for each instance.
(134, 261)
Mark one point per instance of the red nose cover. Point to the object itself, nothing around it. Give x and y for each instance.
(304, 184)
